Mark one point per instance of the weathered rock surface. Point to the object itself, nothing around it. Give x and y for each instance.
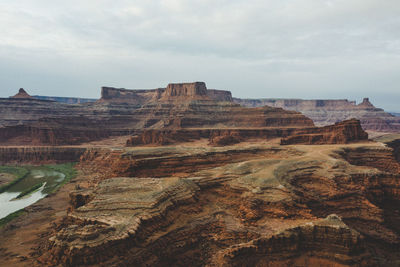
(22, 94)
(120, 112)
(326, 112)
(35, 155)
(220, 95)
(135, 97)
(329, 236)
(339, 133)
(257, 205)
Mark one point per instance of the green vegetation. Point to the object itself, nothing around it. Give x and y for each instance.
(18, 172)
(30, 190)
(67, 169)
(11, 216)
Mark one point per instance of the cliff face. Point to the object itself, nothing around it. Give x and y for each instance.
(142, 97)
(220, 95)
(326, 112)
(21, 94)
(339, 133)
(136, 97)
(18, 155)
(122, 112)
(256, 205)
(60, 131)
(185, 91)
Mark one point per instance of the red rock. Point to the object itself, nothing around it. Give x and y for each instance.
(326, 112)
(22, 94)
(339, 133)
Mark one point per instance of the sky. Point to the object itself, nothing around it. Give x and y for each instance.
(310, 49)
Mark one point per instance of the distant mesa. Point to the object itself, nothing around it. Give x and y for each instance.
(21, 94)
(196, 90)
(330, 111)
(174, 91)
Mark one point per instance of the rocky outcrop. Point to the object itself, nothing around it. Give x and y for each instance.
(254, 205)
(21, 94)
(382, 158)
(121, 112)
(226, 139)
(24, 111)
(35, 155)
(185, 91)
(166, 161)
(148, 200)
(60, 131)
(333, 239)
(326, 112)
(220, 95)
(340, 133)
(216, 137)
(130, 96)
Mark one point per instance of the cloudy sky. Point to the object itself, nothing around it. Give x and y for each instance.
(255, 48)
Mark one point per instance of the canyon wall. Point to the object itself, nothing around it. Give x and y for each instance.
(259, 205)
(121, 112)
(340, 133)
(326, 112)
(137, 97)
(39, 155)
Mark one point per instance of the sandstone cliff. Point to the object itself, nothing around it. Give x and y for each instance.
(258, 205)
(326, 112)
(21, 94)
(339, 133)
(121, 112)
(40, 155)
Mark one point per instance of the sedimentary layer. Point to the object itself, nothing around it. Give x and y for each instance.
(35, 155)
(257, 204)
(326, 112)
(340, 133)
(121, 112)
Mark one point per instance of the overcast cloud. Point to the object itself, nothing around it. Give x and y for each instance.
(255, 48)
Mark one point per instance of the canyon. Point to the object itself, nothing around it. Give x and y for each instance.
(326, 112)
(187, 176)
(256, 203)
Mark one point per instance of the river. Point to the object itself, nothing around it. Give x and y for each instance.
(50, 180)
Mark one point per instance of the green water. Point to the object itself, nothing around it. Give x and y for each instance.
(51, 178)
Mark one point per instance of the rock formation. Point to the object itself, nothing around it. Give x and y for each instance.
(136, 97)
(185, 91)
(120, 112)
(339, 133)
(260, 205)
(21, 94)
(220, 95)
(212, 202)
(40, 155)
(326, 112)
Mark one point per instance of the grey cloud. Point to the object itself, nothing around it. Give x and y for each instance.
(298, 48)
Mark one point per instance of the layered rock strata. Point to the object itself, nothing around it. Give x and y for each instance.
(123, 112)
(18, 155)
(339, 133)
(326, 112)
(22, 94)
(267, 206)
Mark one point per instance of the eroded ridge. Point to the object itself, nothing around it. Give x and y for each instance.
(268, 204)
